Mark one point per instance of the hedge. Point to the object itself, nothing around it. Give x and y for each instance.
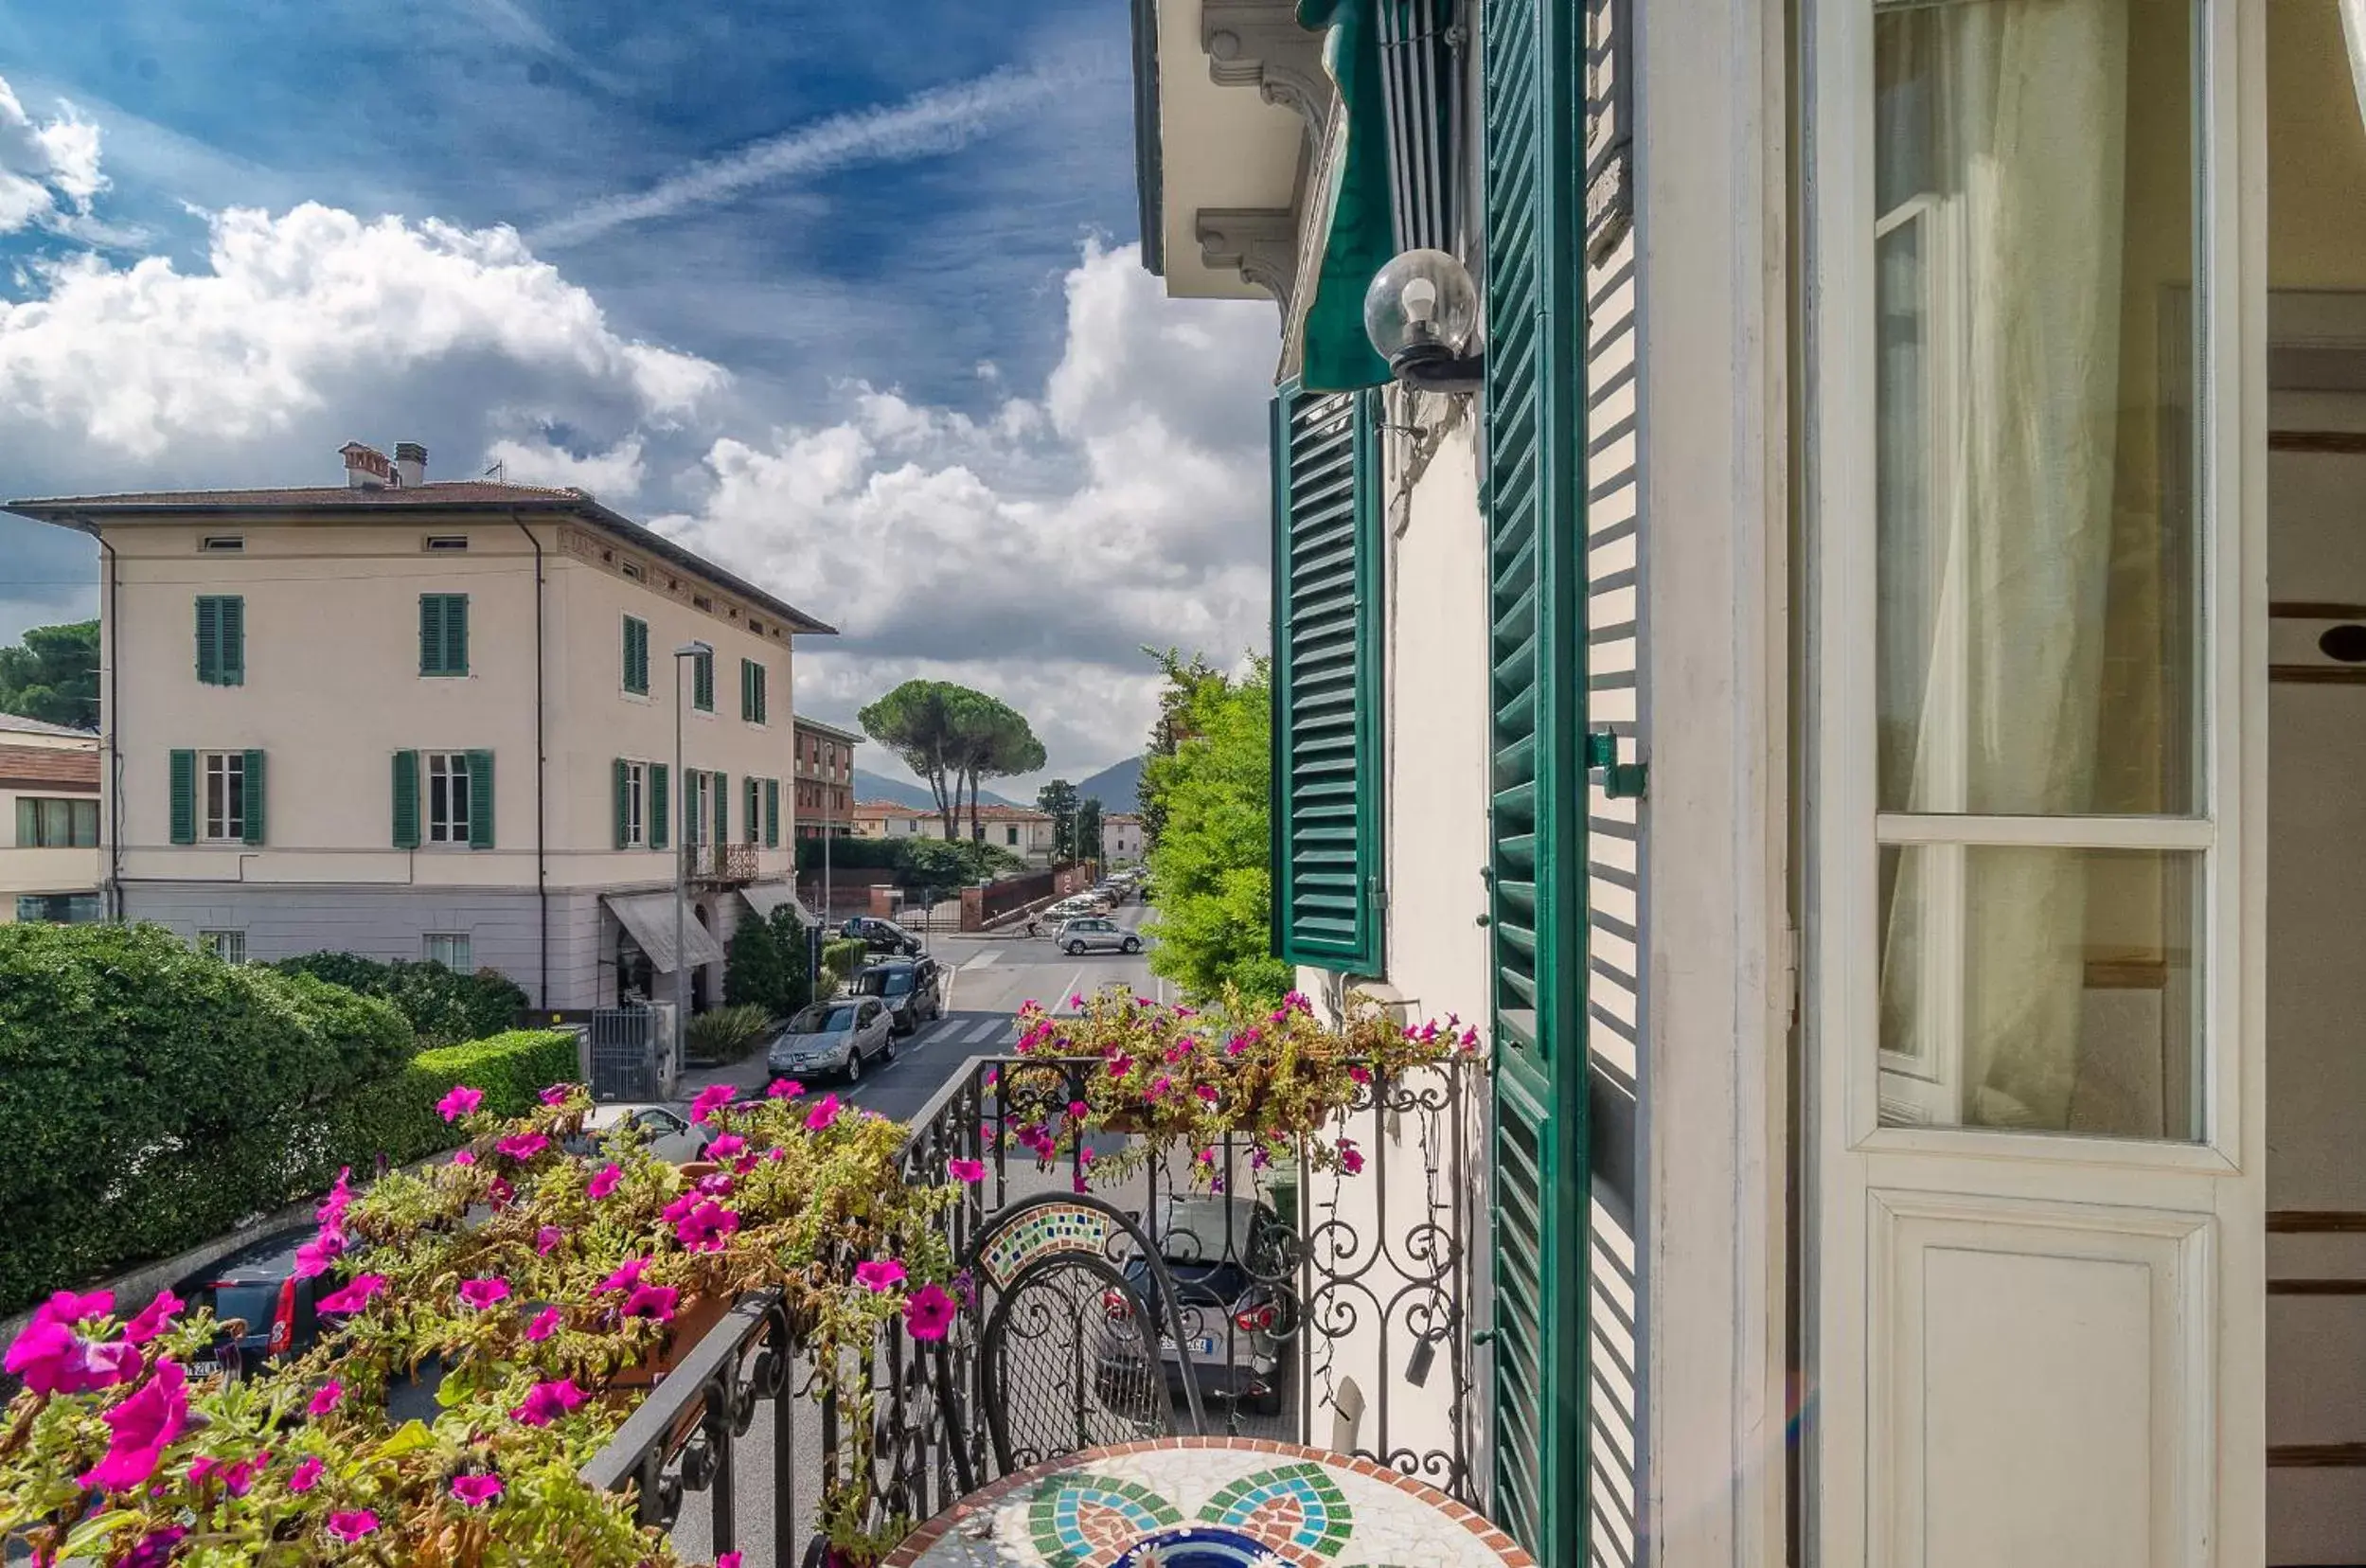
(394, 1121)
(839, 959)
(444, 1005)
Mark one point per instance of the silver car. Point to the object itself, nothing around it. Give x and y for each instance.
(841, 1037)
(663, 1128)
(1098, 933)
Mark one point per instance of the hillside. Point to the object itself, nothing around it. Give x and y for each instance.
(871, 786)
(1117, 787)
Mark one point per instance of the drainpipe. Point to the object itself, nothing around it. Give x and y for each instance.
(541, 860)
(110, 720)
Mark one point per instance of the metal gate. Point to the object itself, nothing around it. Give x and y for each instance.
(624, 1048)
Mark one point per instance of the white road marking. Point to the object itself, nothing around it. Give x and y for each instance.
(1070, 989)
(991, 956)
(992, 1027)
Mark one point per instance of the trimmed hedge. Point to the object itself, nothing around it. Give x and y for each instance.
(393, 1121)
(841, 958)
(444, 1005)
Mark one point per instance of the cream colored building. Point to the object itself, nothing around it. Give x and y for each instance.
(1121, 837)
(49, 812)
(1019, 829)
(889, 819)
(410, 718)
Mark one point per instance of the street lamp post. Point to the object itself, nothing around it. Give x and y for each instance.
(682, 851)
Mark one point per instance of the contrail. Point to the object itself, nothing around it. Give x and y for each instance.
(938, 120)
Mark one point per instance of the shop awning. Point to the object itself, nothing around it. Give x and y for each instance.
(650, 917)
(766, 897)
(1356, 234)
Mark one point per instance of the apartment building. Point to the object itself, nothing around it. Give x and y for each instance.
(890, 819)
(49, 809)
(825, 776)
(1121, 837)
(464, 721)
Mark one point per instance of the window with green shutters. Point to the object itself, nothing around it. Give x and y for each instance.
(443, 633)
(771, 813)
(222, 639)
(702, 682)
(752, 691)
(636, 655)
(660, 802)
(480, 799)
(1327, 604)
(216, 796)
(1533, 493)
(183, 796)
(406, 800)
(722, 787)
(632, 783)
(751, 811)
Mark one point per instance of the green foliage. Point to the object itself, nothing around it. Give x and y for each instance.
(767, 966)
(839, 959)
(917, 861)
(443, 1007)
(1088, 834)
(1167, 735)
(393, 1119)
(1211, 861)
(950, 735)
(1057, 800)
(53, 675)
(725, 1034)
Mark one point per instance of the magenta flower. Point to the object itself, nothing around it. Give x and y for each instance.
(709, 1099)
(523, 1146)
(725, 1147)
(628, 1275)
(784, 1089)
(460, 1102)
(1350, 1156)
(729, 1560)
(971, 1171)
(824, 1112)
(1234, 1047)
(306, 1475)
(499, 1192)
(481, 1293)
(546, 1324)
(547, 1238)
(476, 1491)
(466, 1157)
(556, 1093)
(325, 1399)
(237, 1479)
(879, 1274)
(716, 1184)
(604, 1180)
(351, 1525)
(48, 1356)
(706, 1227)
(153, 1318)
(154, 1550)
(928, 1312)
(332, 1210)
(1177, 1052)
(546, 1401)
(69, 1309)
(1119, 1064)
(1078, 1110)
(354, 1296)
(1206, 1092)
(1075, 999)
(313, 1257)
(140, 1428)
(1361, 1075)
(651, 1301)
(1160, 1086)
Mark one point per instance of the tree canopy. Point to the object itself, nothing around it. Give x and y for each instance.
(1057, 800)
(53, 675)
(952, 736)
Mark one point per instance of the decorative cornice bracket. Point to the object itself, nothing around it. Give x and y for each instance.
(1259, 44)
(1261, 244)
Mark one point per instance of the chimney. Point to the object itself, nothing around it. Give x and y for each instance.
(366, 467)
(410, 464)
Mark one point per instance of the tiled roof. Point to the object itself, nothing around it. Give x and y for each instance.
(853, 737)
(888, 807)
(18, 723)
(36, 766)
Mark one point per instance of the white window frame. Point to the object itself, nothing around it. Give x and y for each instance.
(444, 778)
(1845, 830)
(637, 805)
(228, 946)
(216, 822)
(452, 943)
(754, 795)
(698, 804)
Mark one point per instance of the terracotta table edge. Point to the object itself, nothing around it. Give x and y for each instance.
(907, 1552)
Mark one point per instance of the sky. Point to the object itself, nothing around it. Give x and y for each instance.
(846, 298)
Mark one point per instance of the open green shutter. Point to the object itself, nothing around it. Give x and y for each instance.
(1534, 490)
(659, 804)
(480, 800)
(185, 797)
(702, 682)
(406, 800)
(636, 655)
(723, 807)
(208, 640)
(431, 633)
(254, 793)
(1326, 688)
(771, 813)
(232, 620)
(455, 634)
(621, 779)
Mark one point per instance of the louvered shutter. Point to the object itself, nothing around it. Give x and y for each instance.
(183, 796)
(771, 813)
(660, 788)
(620, 778)
(253, 794)
(406, 800)
(208, 640)
(231, 620)
(721, 784)
(636, 655)
(1326, 688)
(455, 634)
(480, 800)
(702, 682)
(1535, 499)
(431, 633)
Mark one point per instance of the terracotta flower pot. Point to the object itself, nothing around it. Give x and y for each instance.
(693, 1317)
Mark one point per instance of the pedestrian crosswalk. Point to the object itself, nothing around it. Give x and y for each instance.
(972, 1033)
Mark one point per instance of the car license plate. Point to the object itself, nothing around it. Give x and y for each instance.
(1198, 1347)
(206, 1368)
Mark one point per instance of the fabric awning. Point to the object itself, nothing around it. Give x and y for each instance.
(1356, 234)
(651, 918)
(766, 897)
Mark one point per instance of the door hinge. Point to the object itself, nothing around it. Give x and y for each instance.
(1791, 975)
(1619, 781)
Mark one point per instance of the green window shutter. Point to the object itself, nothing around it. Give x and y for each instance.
(253, 794)
(443, 633)
(757, 673)
(1533, 488)
(702, 682)
(747, 691)
(1328, 605)
(751, 811)
(431, 633)
(208, 640)
(185, 797)
(480, 800)
(636, 655)
(620, 778)
(659, 804)
(232, 618)
(771, 813)
(406, 800)
(721, 786)
(456, 634)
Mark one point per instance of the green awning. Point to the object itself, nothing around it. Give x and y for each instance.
(1357, 233)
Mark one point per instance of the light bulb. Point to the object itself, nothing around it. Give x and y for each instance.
(1423, 305)
(1419, 300)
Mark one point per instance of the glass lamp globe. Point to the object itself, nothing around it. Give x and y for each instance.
(1422, 309)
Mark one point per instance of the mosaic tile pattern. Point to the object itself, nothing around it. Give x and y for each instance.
(1052, 1228)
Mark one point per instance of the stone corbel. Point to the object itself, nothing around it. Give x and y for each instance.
(1259, 44)
(1261, 244)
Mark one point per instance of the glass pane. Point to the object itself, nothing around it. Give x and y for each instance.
(2055, 990)
(2036, 621)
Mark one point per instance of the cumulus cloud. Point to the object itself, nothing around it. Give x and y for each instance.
(613, 476)
(48, 169)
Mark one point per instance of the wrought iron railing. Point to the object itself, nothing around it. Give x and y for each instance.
(1369, 1276)
(719, 863)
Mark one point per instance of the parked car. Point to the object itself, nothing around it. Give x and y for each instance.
(914, 989)
(1225, 1256)
(1098, 933)
(841, 1037)
(258, 1285)
(880, 936)
(668, 1135)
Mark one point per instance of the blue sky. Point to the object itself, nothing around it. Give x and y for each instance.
(812, 286)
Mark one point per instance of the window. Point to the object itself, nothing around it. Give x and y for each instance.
(443, 633)
(223, 543)
(632, 790)
(52, 823)
(636, 655)
(771, 813)
(1010, 835)
(228, 946)
(225, 795)
(754, 815)
(446, 797)
(58, 908)
(752, 691)
(450, 948)
(630, 569)
(444, 543)
(702, 682)
(696, 785)
(222, 639)
(700, 601)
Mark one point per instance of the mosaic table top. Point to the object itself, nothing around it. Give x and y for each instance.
(1208, 1503)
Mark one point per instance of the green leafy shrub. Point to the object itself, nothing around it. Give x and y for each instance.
(839, 959)
(918, 861)
(726, 1034)
(443, 1005)
(395, 1118)
(768, 965)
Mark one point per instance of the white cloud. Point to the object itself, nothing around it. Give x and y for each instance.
(289, 312)
(611, 476)
(48, 169)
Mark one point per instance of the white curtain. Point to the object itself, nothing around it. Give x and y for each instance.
(2354, 34)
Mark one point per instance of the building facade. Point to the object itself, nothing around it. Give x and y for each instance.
(49, 809)
(1850, 638)
(1121, 837)
(889, 819)
(412, 720)
(1020, 830)
(825, 772)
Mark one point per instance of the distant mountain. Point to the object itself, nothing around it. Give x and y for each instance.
(1118, 787)
(871, 786)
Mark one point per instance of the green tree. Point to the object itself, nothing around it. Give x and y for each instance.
(1211, 864)
(1088, 832)
(53, 675)
(1169, 731)
(768, 965)
(1000, 743)
(1057, 800)
(952, 736)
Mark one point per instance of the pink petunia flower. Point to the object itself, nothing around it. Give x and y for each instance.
(140, 1428)
(325, 1399)
(1075, 999)
(1350, 1156)
(716, 1184)
(706, 1227)
(546, 1401)
(1360, 1075)
(1119, 1064)
(46, 1355)
(728, 1559)
(154, 1550)
(313, 1257)
(306, 1475)
(604, 1181)
(628, 1275)
(724, 1148)
(460, 1102)
(971, 1171)
(466, 1157)
(879, 1274)
(556, 1093)
(784, 1089)
(351, 1525)
(523, 1146)
(67, 1309)
(481, 1293)
(652, 1301)
(332, 1210)
(354, 1296)
(153, 1318)
(476, 1491)
(928, 1312)
(546, 1324)
(710, 1099)
(500, 1193)
(1206, 1092)
(546, 1239)
(824, 1112)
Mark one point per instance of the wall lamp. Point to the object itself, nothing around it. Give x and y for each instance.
(1420, 313)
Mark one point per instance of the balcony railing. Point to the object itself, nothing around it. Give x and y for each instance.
(724, 864)
(1372, 1305)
